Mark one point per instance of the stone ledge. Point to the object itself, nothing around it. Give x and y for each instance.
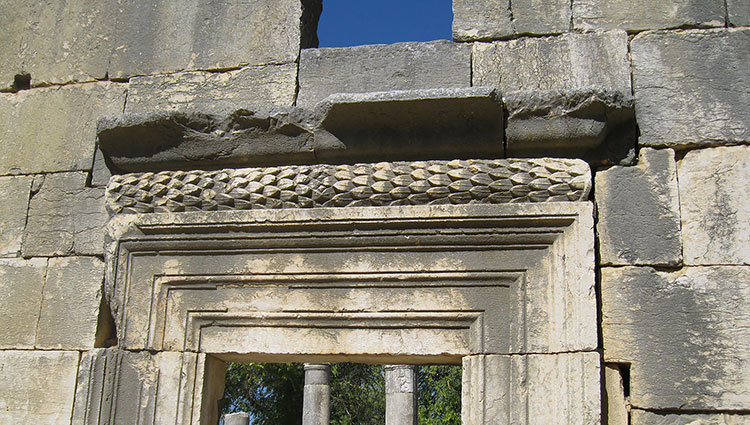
(570, 123)
(378, 126)
(189, 140)
(404, 124)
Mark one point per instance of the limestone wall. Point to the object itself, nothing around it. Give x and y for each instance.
(672, 209)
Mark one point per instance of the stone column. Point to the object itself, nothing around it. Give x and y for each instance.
(400, 395)
(317, 398)
(240, 418)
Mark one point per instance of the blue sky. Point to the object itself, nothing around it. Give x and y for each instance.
(356, 22)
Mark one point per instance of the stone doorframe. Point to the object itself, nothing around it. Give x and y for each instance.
(505, 289)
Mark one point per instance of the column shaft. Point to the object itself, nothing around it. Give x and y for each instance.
(317, 395)
(400, 395)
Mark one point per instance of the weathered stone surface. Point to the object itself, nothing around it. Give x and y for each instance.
(738, 12)
(54, 129)
(715, 205)
(120, 387)
(66, 41)
(380, 184)
(570, 61)
(642, 417)
(401, 395)
(682, 97)
(531, 389)
(398, 284)
(70, 305)
(492, 19)
(177, 140)
(65, 218)
(14, 14)
(14, 191)
(639, 212)
(38, 386)
(316, 406)
(169, 36)
(252, 87)
(21, 283)
(400, 66)
(240, 418)
(566, 122)
(646, 14)
(616, 408)
(684, 334)
(404, 124)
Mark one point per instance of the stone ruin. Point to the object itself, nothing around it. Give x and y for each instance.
(555, 200)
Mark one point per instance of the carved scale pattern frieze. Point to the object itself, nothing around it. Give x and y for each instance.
(376, 184)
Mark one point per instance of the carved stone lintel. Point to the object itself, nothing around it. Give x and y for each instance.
(376, 184)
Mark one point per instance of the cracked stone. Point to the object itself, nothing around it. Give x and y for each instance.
(14, 191)
(65, 218)
(70, 303)
(21, 283)
(684, 334)
(639, 212)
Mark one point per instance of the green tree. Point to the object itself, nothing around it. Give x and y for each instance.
(439, 393)
(270, 392)
(357, 394)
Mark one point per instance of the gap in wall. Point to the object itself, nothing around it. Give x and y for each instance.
(346, 23)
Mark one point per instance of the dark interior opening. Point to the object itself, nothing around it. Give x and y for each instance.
(22, 82)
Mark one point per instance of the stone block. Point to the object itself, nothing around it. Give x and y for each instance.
(641, 15)
(239, 418)
(685, 335)
(66, 41)
(691, 87)
(615, 407)
(185, 140)
(715, 206)
(404, 124)
(65, 218)
(531, 389)
(568, 123)
(176, 35)
(54, 129)
(70, 304)
(14, 14)
(491, 19)
(400, 66)
(37, 386)
(21, 283)
(117, 387)
(357, 185)
(436, 298)
(252, 87)
(738, 12)
(639, 212)
(14, 191)
(570, 61)
(642, 417)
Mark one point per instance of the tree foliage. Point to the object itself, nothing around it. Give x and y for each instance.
(272, 393)
(439, 392)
